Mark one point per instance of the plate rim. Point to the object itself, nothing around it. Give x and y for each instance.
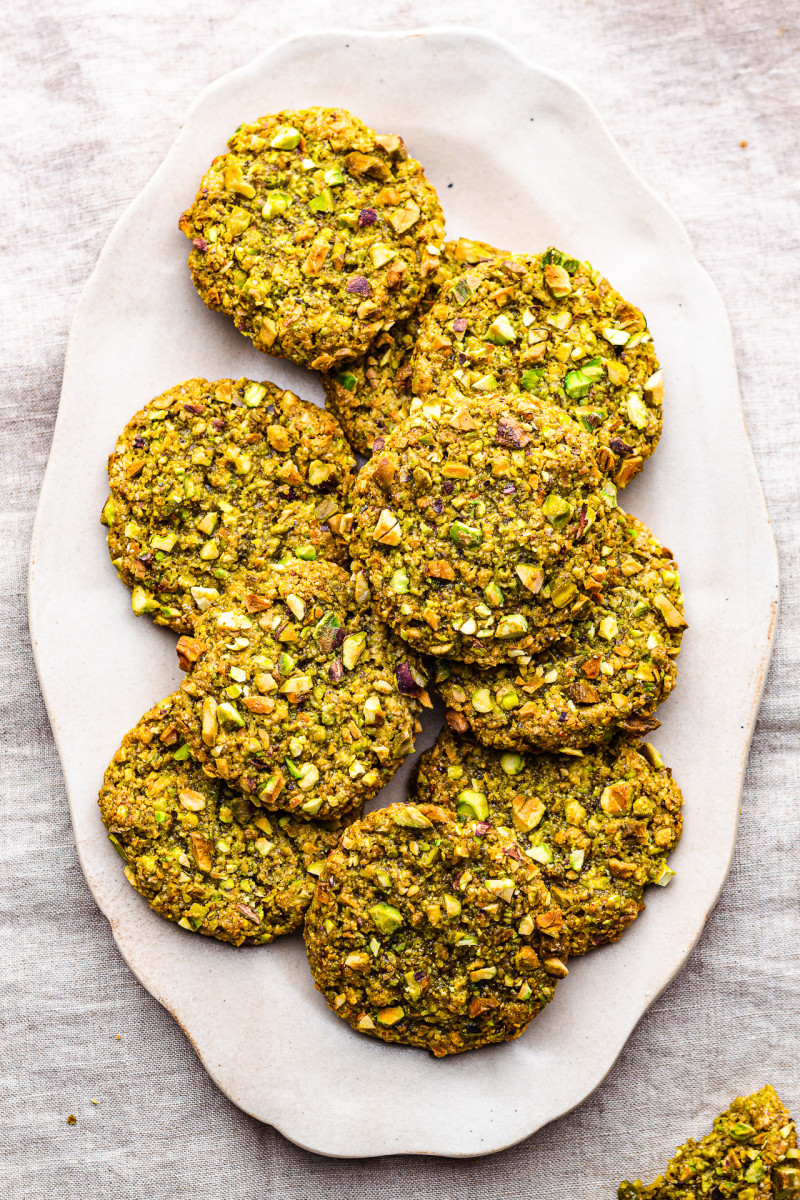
(765, 527)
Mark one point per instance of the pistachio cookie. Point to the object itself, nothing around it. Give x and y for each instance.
(600, 826)
(372, 394)
(211, 478)
(298, 694)
(554, 327)
(314, 233)
(610, 672)
(433, 931)
(470, 521)
(751, 1154)
(197, 850)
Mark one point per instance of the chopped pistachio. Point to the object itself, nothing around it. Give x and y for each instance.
(501, 331)
(512, 762)
(637, 410)
(512, 626)
(473, 804)
(540, 854)
(465, 535)
(386, 918)
(286, 137)
(557, 510)
(482, 700)
(352, 649)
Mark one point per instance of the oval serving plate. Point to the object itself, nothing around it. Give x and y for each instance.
(521, 160)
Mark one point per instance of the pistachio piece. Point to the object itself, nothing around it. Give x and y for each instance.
(562, 592)
(540, 854)
(512, 762)
(390, 1016)
(410, 817)
(352, 649)
(296, 605)
(513, 626)
(482, 700)
(557, 510)
(501, 331)
(637, 410)
(228, 715)
(465, 535)
(557, 280)
(504, 888)
(194, 801)
(531, 576)
(616, 799)
(276, 204)
(482, 973)
(673, 619)
(210, 725)
(608, 628)
(387, 530)
(286, 137)
(527, 812)
(472, 804)
(385, 918)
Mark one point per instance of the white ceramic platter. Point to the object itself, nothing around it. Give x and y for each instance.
(520, 159)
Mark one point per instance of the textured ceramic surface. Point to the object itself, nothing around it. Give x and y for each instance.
(521, 160)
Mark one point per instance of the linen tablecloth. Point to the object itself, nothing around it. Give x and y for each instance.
(703, 96)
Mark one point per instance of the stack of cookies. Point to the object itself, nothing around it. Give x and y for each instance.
(503, 399)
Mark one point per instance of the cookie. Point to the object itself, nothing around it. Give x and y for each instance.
(552, 326)
(751, 1154)
(470, 521)
(433, 932)
(298, 694)
(372, 394)
(314, 233)
(599, 826)
(610, 672)
(212, 478)
(198, 851)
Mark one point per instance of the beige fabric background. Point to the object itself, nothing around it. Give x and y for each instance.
(92, 94)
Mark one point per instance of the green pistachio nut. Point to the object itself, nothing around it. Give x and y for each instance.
(472, 804)
(493, 595)
(347, 380)
(557, 510)
(637, 410)
(334, 177)
(322, 202)
(254, 393)
(399, 582)
(513, 626)
(385, 918)
(465, 535)
(540, 854)
(512, 763)
(228, 715)
(276, 205)
(501, 331)
(531, 378)
(482, 700)
(577, 384)
(141, 602)
(285, 138)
